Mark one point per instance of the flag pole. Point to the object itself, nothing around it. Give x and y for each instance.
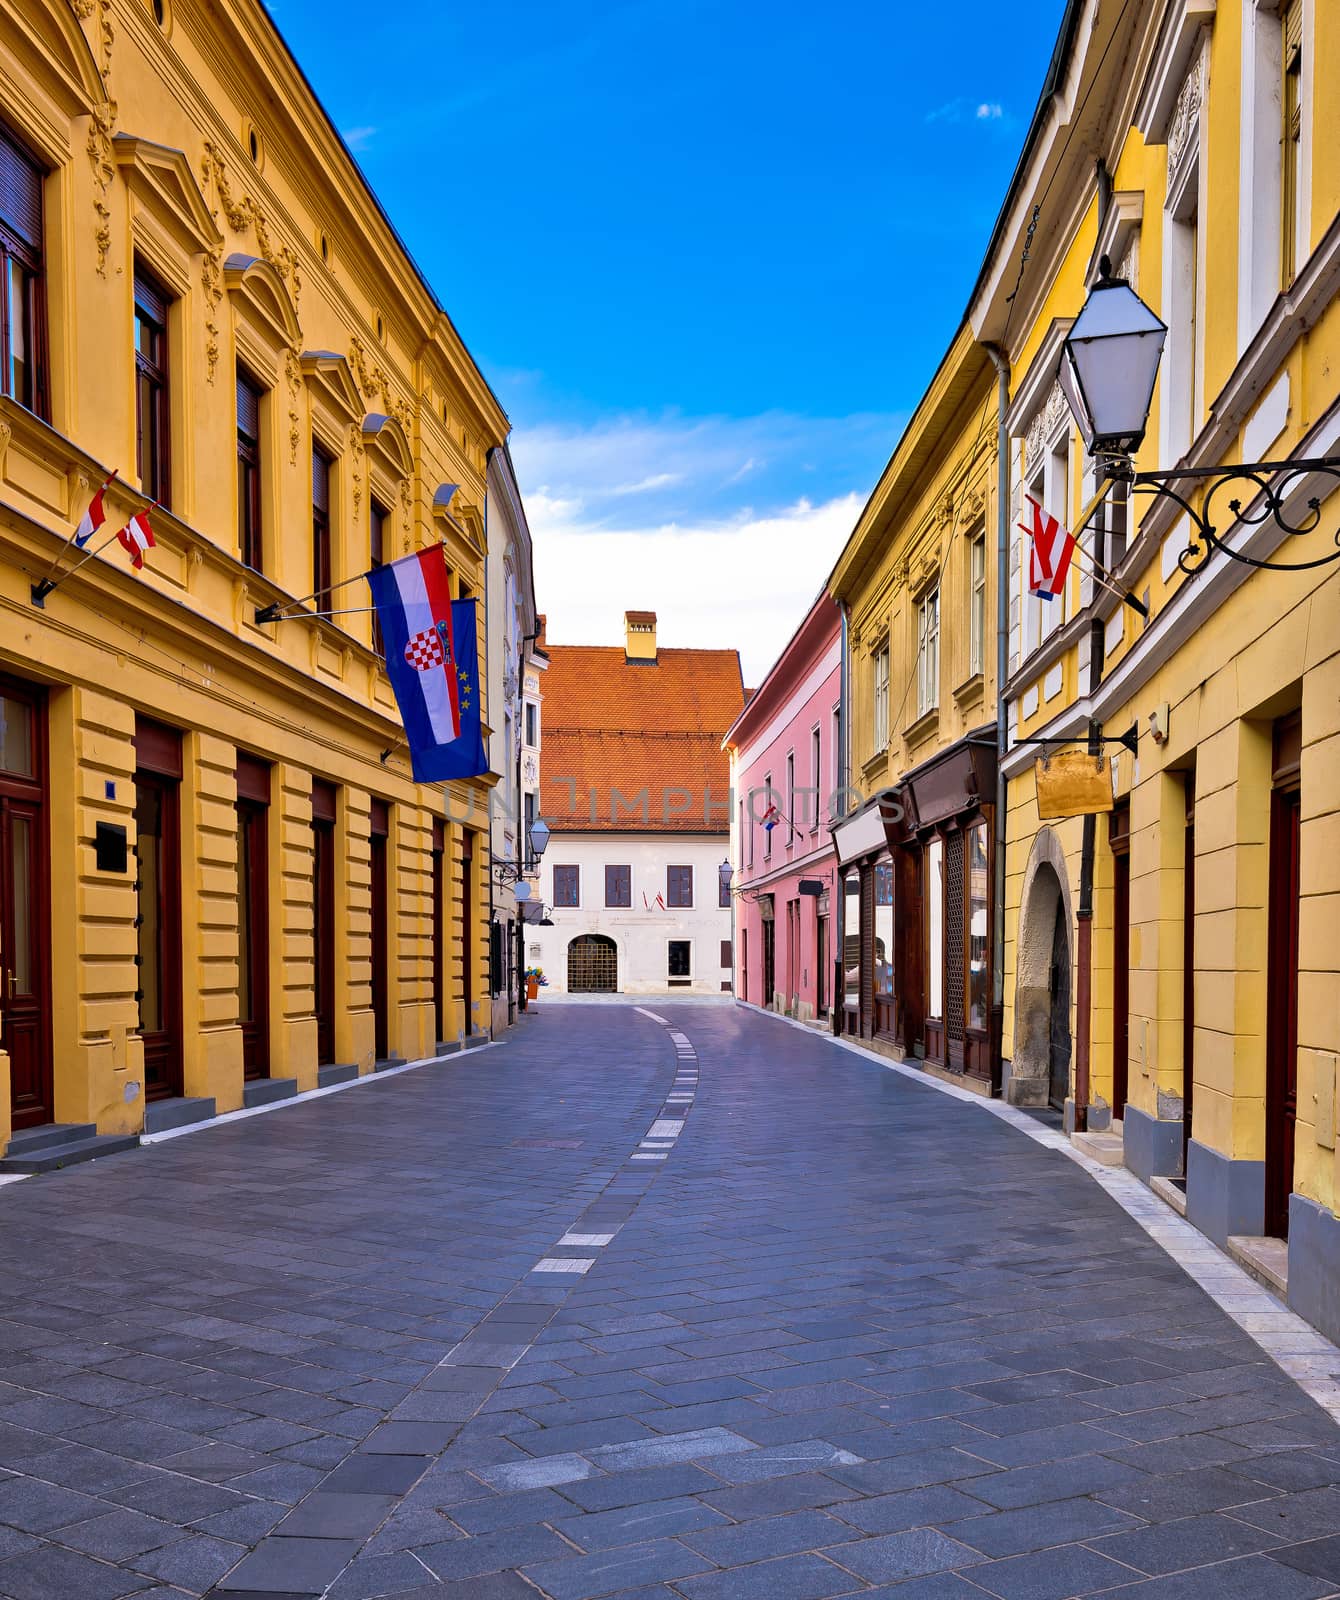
(44, 586)
(277, 610)
(49, 585)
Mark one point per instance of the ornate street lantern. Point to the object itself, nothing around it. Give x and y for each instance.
(725, 872)
(1109, 364)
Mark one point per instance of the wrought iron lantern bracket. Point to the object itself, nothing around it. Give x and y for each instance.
(1271, 482)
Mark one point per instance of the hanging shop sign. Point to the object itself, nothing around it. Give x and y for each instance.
(1072, 783)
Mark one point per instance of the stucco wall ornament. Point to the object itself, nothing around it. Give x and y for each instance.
(211, 283)
(375, 382)
(101, 127)
(356, 463)
(1045, 421)
(243, 214)
(1184, 129)
(293, 371)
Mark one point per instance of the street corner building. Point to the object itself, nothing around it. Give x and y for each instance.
(219, 881)
(786, 776)
(636, 788)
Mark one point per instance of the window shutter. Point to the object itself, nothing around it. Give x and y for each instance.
(320, 480)
(248, 408)
(150, 298)
(20, 192)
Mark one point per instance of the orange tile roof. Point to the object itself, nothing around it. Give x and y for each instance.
(635, 747)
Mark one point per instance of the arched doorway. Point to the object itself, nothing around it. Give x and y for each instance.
(593, 965)
(1040, 1070)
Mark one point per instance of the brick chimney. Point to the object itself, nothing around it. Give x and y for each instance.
(639, 629)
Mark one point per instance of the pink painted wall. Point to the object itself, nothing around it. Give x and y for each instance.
(799, 696)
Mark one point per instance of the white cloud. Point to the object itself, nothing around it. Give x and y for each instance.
(744, 584)
(960, 110)
(650, 513)
(358, 138)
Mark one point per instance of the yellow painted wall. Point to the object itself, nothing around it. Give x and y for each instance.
(280, 260)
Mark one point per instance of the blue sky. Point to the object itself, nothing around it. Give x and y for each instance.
(707, 254)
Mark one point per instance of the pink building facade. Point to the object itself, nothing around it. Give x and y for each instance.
(785, 770)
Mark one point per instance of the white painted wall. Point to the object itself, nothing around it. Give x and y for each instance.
(642, 935)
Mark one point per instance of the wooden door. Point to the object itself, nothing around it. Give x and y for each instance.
(253, 914)
(769, 960)
(1119, 839)
(25, 905)
(1059, 992)
(909, 978)
(439, 917)
(380, 830)
(158, 905)
(1282, 977)
(821, 974)
(323, 918)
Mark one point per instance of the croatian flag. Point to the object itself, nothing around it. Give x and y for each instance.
(137, 537)
(432, 660)
(1051, 549)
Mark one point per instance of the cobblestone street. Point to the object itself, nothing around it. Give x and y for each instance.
(703, 1307)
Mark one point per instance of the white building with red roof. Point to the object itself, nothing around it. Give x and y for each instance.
(636, 791)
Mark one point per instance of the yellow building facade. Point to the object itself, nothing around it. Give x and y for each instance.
(219, 880)
(1194, 145)
(917, 585)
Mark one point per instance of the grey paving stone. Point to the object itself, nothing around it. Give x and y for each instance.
(902, 1555)
(34, 1507)
(173, 1498)
(1249, 1578)
(765, 1537)
(329, 1514)
(603, 1530)
(1008, 1533)
(364, 1474)
(915, 1508)
(1024, 1486)
(1310, 1514)
(1185, 1542)
(292, 1565)
(48, 1572)
(195, 1563)
(611, 1571)
(541, 1472)
(119, 1534)
(697, 1445)
(510, 1510)
(641, 1487)
(798, 1577)
(1056, 1574)
(504, 1550)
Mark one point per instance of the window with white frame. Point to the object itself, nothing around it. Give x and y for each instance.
(835, 804)
(928, 652)
(816, 777)
(977, 602)
(1182, 398)
(790, 796)
(880, 732)
(1292, 209)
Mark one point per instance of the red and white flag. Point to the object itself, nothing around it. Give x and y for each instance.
(1052, 548)
(137, 537)
(93, 518)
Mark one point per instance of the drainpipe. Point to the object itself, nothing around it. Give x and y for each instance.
(844, 720)
(1002, 365)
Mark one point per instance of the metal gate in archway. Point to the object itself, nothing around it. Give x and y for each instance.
(593, 965)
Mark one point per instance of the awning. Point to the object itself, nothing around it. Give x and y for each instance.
(958, 778)
(864, 831)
